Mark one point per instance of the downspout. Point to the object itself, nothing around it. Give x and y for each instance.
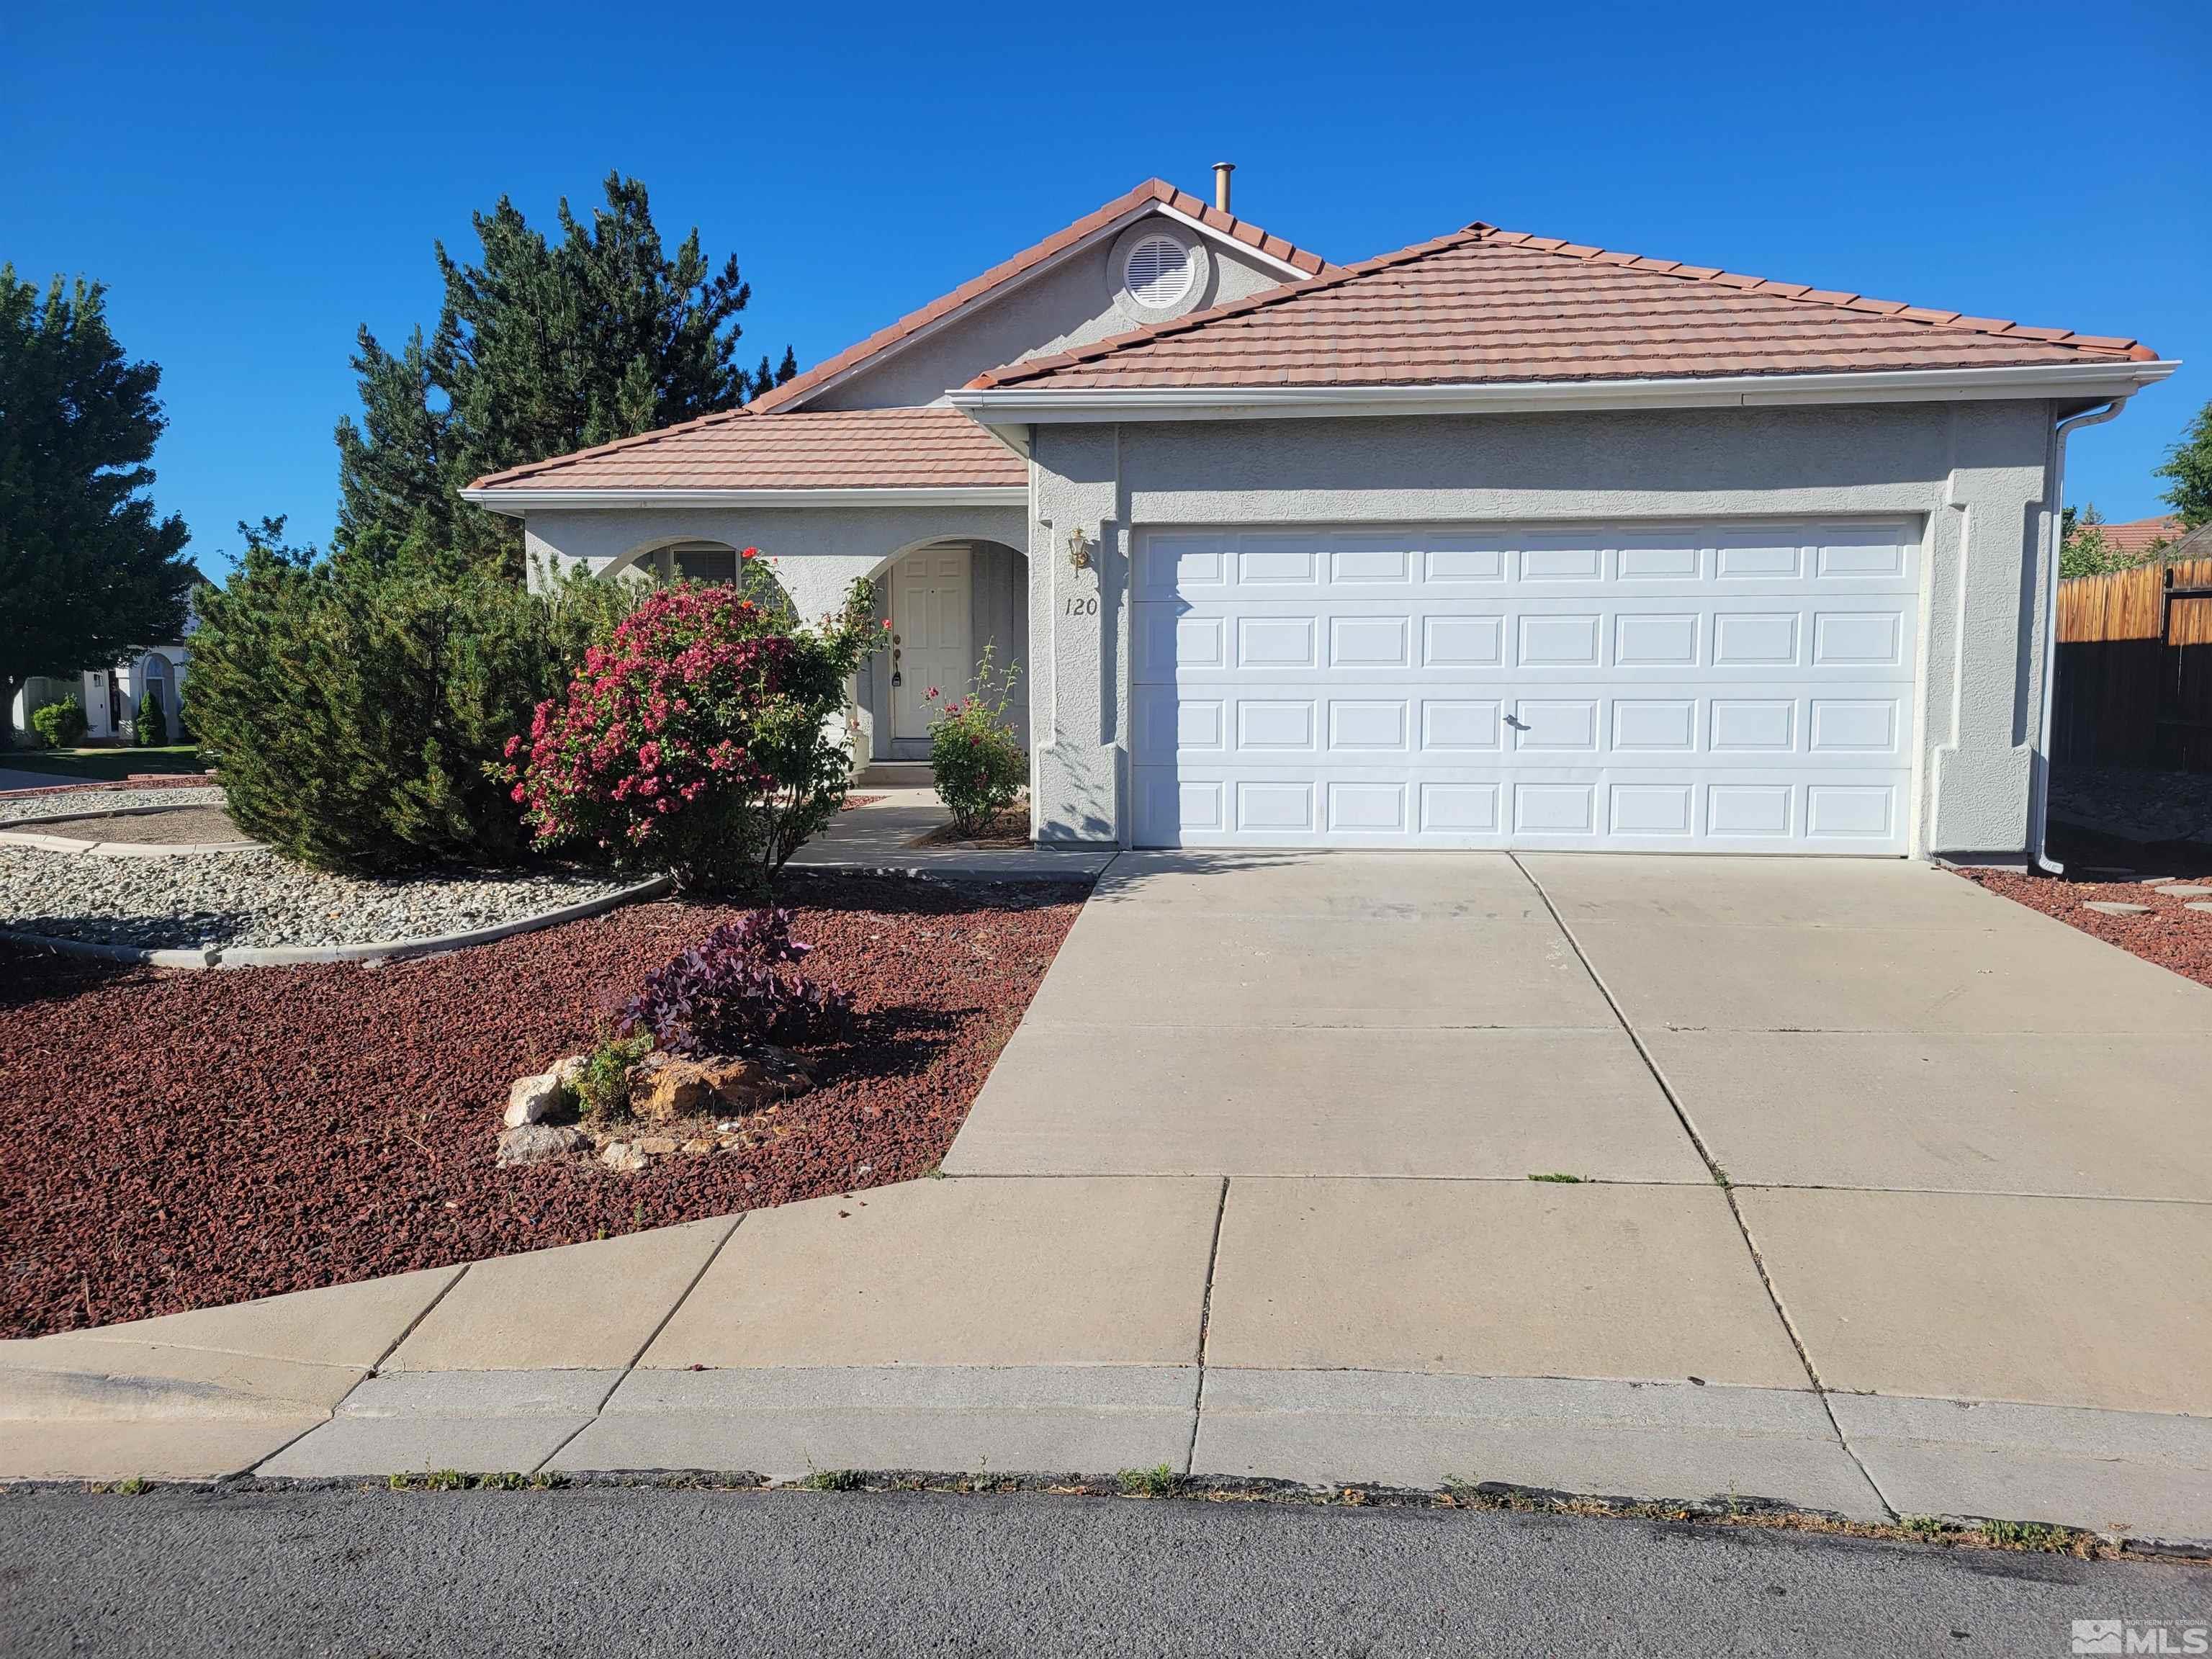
(2039, 793)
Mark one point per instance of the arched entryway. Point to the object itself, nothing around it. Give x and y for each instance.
(949, 603)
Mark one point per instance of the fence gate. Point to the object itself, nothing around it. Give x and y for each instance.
(2135, 668)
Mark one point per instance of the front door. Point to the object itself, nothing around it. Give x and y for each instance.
(929, 636)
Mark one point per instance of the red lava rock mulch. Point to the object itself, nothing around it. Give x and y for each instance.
(177, 1140)
(1009, 828)
(2168, 933)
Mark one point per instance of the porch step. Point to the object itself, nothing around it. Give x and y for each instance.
(894, 774)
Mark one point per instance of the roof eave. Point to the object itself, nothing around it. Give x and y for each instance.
(516, 501)
(2106, 378)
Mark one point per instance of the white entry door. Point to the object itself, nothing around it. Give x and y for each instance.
(929, 635)
(1738, 689)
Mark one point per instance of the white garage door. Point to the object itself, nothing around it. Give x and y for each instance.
(1740, 689)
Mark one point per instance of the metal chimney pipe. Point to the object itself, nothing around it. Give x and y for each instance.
(1221, 171)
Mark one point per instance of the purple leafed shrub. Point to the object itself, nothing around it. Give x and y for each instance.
(735, 989)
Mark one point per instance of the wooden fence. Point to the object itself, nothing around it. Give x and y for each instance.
(2135, 668)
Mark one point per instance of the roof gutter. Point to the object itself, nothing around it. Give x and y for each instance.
(516, 501)
(2039, 810)
(2096, 379)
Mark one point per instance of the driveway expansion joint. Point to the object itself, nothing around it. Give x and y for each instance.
(1719, 1175)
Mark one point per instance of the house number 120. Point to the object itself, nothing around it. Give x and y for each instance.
(1086, 605)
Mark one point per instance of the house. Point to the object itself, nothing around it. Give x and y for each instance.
(1493, 541)
(110, 696)
(2140, 536)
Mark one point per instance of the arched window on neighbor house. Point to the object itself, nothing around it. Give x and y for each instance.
(155, 672)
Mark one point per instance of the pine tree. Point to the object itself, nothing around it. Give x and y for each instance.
(151, 729)
(87, 571)
(765, 378)
(542, 346)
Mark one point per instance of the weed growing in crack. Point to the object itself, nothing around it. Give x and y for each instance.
(1158, 1481)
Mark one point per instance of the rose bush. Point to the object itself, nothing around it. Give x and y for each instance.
(697, 738)
(977, 763)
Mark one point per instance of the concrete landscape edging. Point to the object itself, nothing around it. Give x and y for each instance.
(16, 835)
(293, 956)
(123, 849)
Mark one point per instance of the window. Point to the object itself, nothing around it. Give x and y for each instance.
(706, 564)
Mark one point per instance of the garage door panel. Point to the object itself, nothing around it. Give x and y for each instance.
(1738, 689)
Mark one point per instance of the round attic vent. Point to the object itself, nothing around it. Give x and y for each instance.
(1157, 272)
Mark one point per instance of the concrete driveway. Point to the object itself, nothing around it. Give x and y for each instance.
(1848, 1185)
(1856, 1126)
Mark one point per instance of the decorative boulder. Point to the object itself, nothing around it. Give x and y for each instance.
(534, 1143)
(534, 1099)
(621, 1155)
(667, 1086)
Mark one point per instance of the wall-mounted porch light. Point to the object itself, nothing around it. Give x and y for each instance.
(1078, 548)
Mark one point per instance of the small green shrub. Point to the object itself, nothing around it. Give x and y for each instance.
(978, 765)
(151, 729)
(603, 1091)
(60, 724)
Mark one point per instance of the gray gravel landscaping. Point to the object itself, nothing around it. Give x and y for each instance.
(71, 802)
(256, 898)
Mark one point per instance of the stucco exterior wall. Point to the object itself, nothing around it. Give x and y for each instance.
(1071, 304)
(817, 553)
(1973, 474)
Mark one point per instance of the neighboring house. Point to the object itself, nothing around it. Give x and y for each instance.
(2139, 535)
(110, 696)
(1494, 541)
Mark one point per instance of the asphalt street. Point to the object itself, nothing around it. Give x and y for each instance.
(627, 1570)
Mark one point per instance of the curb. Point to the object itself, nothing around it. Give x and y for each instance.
(294, 956)
(14, 835)
(121, 849)
(136, 780)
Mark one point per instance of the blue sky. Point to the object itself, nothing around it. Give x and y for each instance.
(251, 187)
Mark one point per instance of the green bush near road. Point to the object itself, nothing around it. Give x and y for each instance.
(60, 724)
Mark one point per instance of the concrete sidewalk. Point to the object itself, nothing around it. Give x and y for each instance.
(1248, 1194)
(881, 837)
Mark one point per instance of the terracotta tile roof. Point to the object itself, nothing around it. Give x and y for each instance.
(1486, 305)
(1153, 190)
(805, 449)
(2139, 535)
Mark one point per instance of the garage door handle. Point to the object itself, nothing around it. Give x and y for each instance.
(1518, 725)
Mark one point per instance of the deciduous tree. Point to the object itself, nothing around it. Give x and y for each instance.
(2189, 464)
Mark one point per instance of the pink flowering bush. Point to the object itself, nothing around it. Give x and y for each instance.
(977, 763)
(696, 739)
